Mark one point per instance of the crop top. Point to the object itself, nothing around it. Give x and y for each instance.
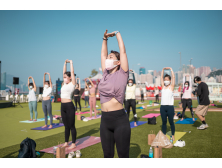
(76, 92)
(67, 90)
(113, 85)
(130, 92)
(92, 90)
(47, 92)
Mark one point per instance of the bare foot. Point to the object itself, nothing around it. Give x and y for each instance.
(65, 144)
(34, 120)
(31, 120)
(44, 126)
(173, 137)
(72, 146)
(193, 119)
(50, 126)
(181, 119)
(135, 124)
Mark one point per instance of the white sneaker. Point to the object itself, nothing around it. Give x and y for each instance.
(206, 126)
(78, 154)
(71, 155)
(202, 127)
(175, 117)
(85, 120)
(180, 143)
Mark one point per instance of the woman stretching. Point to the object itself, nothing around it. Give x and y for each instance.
(32, 99)
(141, 94)
(46, 103)
(115, 126)
(167, 101)
(76, 94)
(67, 106)
(92, 97)
(156, 93)
(131, 99)
(186, 99)
(86, 93)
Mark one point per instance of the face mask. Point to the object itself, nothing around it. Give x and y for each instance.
(46, 86)
(130, 84)
(30, 87)
(186, 86)
(197, 84)
(90, 86)
(109, 64)
(66, 80)
(166, 83)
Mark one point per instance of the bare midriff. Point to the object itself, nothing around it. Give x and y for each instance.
(66, 100)
(92, 95)
(76, 95)
(46, 98)
(112, 105)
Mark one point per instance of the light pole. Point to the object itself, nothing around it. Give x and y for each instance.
(180, 61)
(190, 60)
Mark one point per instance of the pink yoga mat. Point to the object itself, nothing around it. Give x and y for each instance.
(80, 144)
(151, 115)
(93, 117)
(83, 112)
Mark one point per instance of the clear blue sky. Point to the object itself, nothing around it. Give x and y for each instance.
(34, 42)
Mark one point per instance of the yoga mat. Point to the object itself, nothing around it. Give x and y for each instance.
(85, 112)
(177, 135)
(47, 128)
(80, 144)
(38, 120)
(151, 115)
(138, 123)
(186, 121)
(92, 118)
(139, 108)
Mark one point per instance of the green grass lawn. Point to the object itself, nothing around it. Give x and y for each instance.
(199, 143)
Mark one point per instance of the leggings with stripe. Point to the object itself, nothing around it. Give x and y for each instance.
(33, 106)
(47, 108)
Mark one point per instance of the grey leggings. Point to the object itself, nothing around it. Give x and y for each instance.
(47, 107)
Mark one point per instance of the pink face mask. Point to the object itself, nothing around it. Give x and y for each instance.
(109, 64)
(66, 80)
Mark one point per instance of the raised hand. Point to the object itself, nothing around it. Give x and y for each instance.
(66, 61)
(70, 61)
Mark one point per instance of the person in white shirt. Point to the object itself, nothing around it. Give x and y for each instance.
(32, 99)
(86, 92)
(130, 99)
(46, 103)
(167, 101)
(67, 106)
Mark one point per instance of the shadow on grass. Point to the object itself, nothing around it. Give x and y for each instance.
(135, 150)
(89, 133)
(196, 124)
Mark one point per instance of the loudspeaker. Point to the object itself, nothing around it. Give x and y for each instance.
(15, 81)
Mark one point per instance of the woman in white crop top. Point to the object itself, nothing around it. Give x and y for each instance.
(167, 101)
(46, 103)
(67, 106)
(186, 98)
(32, 99)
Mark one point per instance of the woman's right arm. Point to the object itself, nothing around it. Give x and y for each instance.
(104, 52)
(28, 82)
(91, 82)
(86, 85)
(44, 78)
(64, 67)
(161, 78)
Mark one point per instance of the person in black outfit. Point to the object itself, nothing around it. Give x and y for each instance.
(142, 95)
(204, 101)
(76, 95)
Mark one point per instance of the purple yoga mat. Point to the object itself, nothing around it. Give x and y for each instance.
(151, 115)
(47, 128)
(92, 118)
(80, 144)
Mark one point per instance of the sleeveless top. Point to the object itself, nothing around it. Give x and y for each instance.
(167, 96)
(113, 85)
(92, 89)
(76, 92)
(130, 92)
(67, 90)
(47, 92)
(86, 93)
(32, 96)
(187, 93)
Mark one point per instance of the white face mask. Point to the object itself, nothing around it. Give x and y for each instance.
(130, 84)
(109, 64)
(46, 86)
(30, 87)
(90, 86)
(186, 86)
(166, 83)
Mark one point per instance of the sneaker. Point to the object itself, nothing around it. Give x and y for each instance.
(202, 127)
(85, 119)
(175, 117)
(78, 154)
(206, 126)
(180, 143)
(71, 155)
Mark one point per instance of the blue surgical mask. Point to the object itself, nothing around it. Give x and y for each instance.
(197, 84)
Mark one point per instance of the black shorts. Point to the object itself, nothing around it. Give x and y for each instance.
(187, 103)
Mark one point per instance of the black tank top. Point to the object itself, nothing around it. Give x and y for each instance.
(76, 91)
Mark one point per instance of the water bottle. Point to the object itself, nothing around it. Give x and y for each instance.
(54, 151)
(151, 152)
(171, 139)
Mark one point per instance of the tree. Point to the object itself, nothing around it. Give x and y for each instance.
(94, 72)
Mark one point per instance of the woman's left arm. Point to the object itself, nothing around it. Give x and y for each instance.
(72, 73)
(50, 81)
(79, 85)
(173, 79)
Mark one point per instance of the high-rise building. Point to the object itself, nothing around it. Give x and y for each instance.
(180, 77)
(176, 78)
(214, 69)
(149, 78)
(151, 72)
(142, 70)
(206, 70)
(155, 73)
(197, 72)
(157, 81)
(203, 77)
(3, 81)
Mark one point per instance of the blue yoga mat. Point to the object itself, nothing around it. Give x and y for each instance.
(186, 121)
(139, 108)
(138, 123)
(38, 120)
(55, 125)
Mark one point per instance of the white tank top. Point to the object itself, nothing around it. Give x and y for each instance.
(86, 93)
(167, 96)
(67, 91)
(47, 92)
(130, 92)
(32, 96)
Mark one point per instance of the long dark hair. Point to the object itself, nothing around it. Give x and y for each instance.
(117, 54)
(167, 76)
(187, 87)
(68, 73)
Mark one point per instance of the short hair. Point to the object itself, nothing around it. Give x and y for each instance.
(197, 78)
(68, 73)
(167, 76)
(47, 82)
(31, 84)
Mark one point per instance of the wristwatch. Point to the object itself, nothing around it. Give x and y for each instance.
(116, 32)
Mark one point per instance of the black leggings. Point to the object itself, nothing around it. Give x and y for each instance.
(131, 103)
(142, 97)
(187, 103)
(77, 100)
(115, 128)
(157, 98)
(68, 118)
